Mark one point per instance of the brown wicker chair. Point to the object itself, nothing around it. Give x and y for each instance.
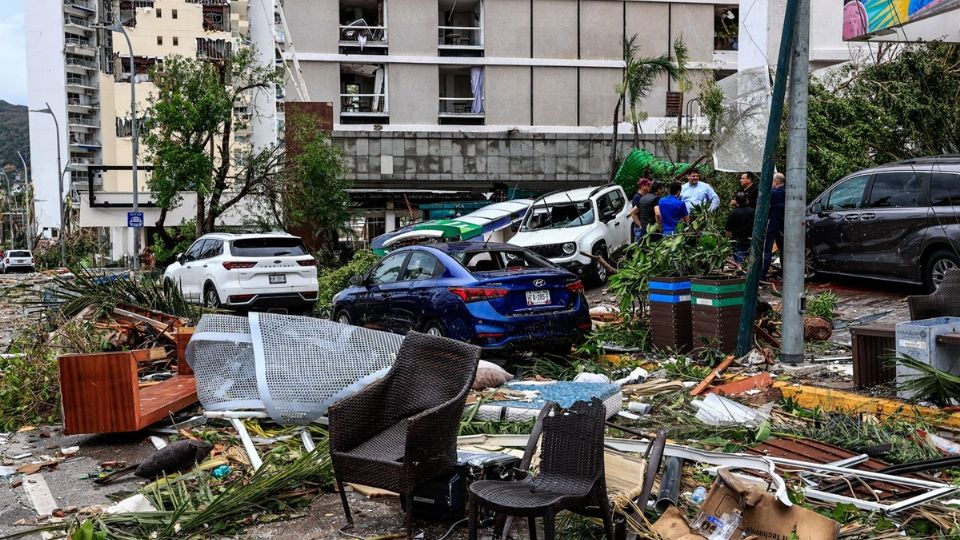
(571, 475)
(943, 302)
(402, 430)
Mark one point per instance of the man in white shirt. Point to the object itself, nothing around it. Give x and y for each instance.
(695, 193)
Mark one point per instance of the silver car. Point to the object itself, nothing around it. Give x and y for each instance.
(16, 259)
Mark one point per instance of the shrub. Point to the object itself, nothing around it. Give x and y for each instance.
(334, 280)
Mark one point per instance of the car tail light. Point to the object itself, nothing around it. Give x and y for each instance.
(585, 326)
(230, 265)
(309, 295)
(575, 287)
(308, 262)
(240, 298)
(475, 294)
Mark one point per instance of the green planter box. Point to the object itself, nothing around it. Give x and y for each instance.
(716, 304)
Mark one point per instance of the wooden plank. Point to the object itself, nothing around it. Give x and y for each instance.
(713, 375)
(184, 334)
(158, 402)
(837, 400)
(948, 339)
(99, 392)
(763, 380)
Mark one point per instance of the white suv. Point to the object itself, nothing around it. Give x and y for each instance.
(247, 271)
(16, 259)
(562, 225)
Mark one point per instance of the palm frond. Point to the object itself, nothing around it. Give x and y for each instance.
(930, 384)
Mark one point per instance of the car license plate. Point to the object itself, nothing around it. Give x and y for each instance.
(538, 298)
(277, 279)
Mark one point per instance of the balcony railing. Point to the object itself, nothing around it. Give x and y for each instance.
(77, 42)
(362, 34)
(460, 36)
(82, 103)
(76, 160)
(80, 81)
(457, 105)
(77, 21)
(81, 121)
(82, 4)
(81, 62)
(362, 103)
(75, 141)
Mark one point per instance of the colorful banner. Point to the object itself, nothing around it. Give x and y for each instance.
(863, 17)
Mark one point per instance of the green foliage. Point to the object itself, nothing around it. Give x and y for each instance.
(659, 168)
(184, 235)
(823, 305)
(15, 133)
(29, 381)
(314, 186)
(82, 245)
(628, 333)
(711, 104)
(699, 249)
(906, 105)
(334, 280)
(639, 76)
(930, 383)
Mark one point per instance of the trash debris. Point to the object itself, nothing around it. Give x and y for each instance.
(716, 410)
(490, 375)
(713, 375)
(638, 375)
(175, 457)
(591, 378)
(816, 329)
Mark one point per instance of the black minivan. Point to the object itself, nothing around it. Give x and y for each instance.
(899, 222)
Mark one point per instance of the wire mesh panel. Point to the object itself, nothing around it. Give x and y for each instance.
(738, 144)
(294, 368)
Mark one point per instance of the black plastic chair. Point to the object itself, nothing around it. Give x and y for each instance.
(571, 475)
(943, 302)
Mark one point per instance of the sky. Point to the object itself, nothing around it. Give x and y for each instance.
(13, 62)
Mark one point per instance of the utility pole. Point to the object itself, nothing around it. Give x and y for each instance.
(28, 229)
(794, 255)
(745, 334)
(9, 208)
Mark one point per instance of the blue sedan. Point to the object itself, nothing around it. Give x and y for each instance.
(497, 296)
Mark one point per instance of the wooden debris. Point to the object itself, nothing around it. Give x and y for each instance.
(713, 375)
(763, 380)
(816, 329)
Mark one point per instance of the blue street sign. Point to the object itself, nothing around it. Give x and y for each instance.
(135, 219)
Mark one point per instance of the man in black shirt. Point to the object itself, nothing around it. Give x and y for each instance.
(645, 211)
(739, 226)
(749, 188)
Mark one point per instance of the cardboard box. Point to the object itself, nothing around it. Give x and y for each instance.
(762, 515)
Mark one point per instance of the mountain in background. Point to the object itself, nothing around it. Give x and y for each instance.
(14, 134)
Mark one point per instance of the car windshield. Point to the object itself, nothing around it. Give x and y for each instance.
(268, 247)
(494, 260)
(18, 253)
(559, 215)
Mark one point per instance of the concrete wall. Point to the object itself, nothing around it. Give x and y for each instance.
(648, 20)
(694, 22)
(507, 28)
(323, 80)
(601, 29)
(414, 94)
(554, 96)
(554, 29)
(598, 95)
(507, 97)
(314, 26)
(409, 29)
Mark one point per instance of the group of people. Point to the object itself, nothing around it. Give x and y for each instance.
(652, 206)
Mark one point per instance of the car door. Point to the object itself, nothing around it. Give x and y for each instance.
(190, 274)
(374, 303)
(893, 224)
(413, 293)
(622, 222)
(609, 210)
(833, 225)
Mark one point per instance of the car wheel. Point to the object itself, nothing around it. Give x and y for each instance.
(938, 264)
(599, 276)
(342, 317)
(435, 328)
(210, 297)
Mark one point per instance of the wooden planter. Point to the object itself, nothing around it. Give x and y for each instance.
(715, 306)
(670, 320)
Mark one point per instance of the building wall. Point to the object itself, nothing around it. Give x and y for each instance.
(413, 93)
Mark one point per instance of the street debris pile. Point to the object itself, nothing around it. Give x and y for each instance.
(696, 444)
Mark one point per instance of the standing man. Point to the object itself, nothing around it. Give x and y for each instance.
(673, 210)
(749, 188)
(645, 210)
(778, 203)
(695, 193)
(739, 226)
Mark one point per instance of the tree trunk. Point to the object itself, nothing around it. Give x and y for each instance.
(636, 132)
(614, 145)
(168, 240)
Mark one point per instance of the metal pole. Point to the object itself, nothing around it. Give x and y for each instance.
(745, 336)
(9, 207)
(794, 255)
(135, 145)
(28, 230)
(63, 211)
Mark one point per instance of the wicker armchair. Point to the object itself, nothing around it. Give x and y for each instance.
(402, 430)
(943, 302)
(571, 475)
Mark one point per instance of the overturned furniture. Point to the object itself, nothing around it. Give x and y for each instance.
(286, 368)
(943, 302)
(571, 474)
(402, 430)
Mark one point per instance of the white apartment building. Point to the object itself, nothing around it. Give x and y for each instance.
(81, 71)
(438, 99)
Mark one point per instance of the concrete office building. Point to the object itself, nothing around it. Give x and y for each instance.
(445, 98)
(83, 72)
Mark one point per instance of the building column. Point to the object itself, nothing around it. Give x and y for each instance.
(389, 218)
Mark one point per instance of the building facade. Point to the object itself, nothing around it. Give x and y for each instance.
(433, 98)
(82, 72)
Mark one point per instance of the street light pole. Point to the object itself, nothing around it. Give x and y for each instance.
(117, 27)
(9, 207)
(28, 230)
(62, 171)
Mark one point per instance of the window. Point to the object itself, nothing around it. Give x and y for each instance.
(268, 247)
(195, 250)
(944, 189)
(159, 40)
(159, 12)
(212, 248)
(559, 215)
(896, 190)
(174, 14)
(176, 41)
(389, 269)
(422, 266)
(846, 196)
(492, 261)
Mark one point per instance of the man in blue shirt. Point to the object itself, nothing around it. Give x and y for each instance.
(695, 193)
(672, 210)
(778, 203)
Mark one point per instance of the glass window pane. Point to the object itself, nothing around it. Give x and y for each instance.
(422, 266)
(896, 190)
(848, 195)
(945, 189)
(389, 269)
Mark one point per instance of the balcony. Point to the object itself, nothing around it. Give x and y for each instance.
(726, 28)
(80, 65)
(84, 143)
(214, 49)
(460, 28)
(81, 123)
(363, 92)
(75, 22)
(82, 160)
(78, 6)
(81, 105)
(461, 95)
(80, 84)
(75, 45)
(363, 27)
(216, 18)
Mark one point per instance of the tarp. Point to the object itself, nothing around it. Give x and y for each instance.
(865, 19)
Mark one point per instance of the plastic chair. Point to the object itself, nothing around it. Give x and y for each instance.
(943, 302)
